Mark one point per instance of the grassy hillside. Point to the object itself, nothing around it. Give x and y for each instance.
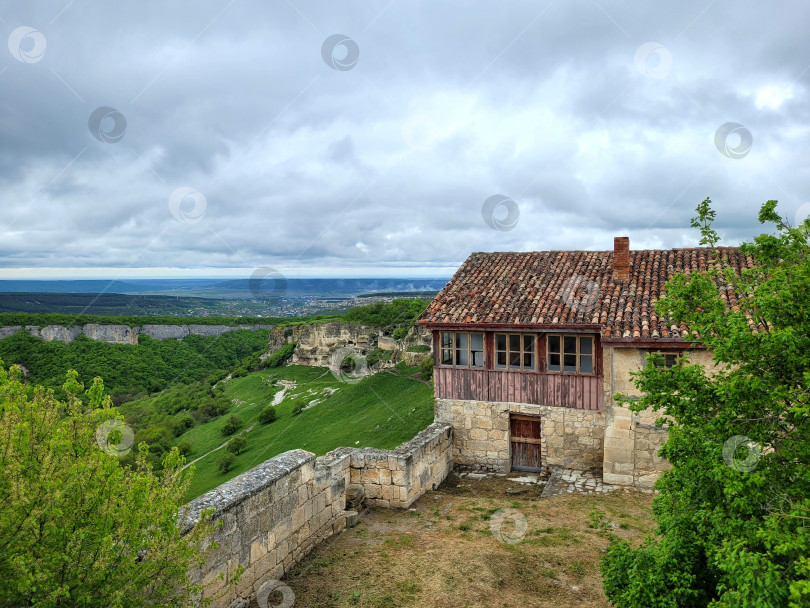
(380, 411)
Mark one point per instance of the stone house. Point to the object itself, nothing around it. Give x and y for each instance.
(531, 347)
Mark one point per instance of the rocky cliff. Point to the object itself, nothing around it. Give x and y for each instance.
(123, 334)
(317, 342)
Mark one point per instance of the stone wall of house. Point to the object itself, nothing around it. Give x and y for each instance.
(569, 437)
(632, 441)
(396, 478)
(277, 512)
(272, 516)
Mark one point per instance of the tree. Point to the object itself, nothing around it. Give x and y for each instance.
(232, 424)
(238, 444)
(226, 462)
(733, 513)
(77, 528)
(268, 414)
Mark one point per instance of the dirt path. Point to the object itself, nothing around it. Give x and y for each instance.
(219, 447)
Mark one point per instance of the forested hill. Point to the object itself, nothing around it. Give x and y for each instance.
(132, 370)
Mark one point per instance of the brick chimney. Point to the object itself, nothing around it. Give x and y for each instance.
(621, 258)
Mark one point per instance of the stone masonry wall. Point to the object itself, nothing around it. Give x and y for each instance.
(396, 478)
(278, 511)
(632, 441)
(272, 516)
(569, 437)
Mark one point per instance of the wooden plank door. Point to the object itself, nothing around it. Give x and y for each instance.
(525, 431)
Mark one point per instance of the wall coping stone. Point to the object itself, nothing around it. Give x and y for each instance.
(240, 488)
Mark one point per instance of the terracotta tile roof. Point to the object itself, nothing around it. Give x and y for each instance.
(572, 288)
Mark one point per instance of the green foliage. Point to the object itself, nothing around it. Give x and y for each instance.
(238, 444)
(280, 357)
(377, 355)
(181, 424)
(397, 316)
(399, 333)
(184, 447)
(232, 424)
(77, 528)
(268, 415)
(418, 348)
(298, 408)
(703, 220)
(226, 462)
(426, 368)
(732, 531)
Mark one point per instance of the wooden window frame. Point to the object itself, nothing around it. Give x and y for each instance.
(665, 354)
(509, 367)
(453, 348)
(578, 354)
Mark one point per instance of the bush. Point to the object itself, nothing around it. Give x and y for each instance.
(232, 424)
(299, 407)
(184, 447)
(238, 444)
(426, 368)
(400, 332)
(268, 415)
(418, 348)
(181, 424)
(226, 462)
(280, 357)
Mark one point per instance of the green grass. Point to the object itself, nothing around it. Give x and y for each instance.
(380, 411)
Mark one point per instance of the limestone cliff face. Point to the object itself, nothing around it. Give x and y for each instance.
(317, 342)
(124, 334)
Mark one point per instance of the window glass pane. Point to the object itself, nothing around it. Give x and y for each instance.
(447, 356)
(500, 359)
(586, 364)
(569, 363)
(528, 361)
(478, 358)
(554, 362)
(528, 343)
(447, 339)
(462, 357)
(554, 344)
(514, 342)
(670, 360)
(586, 346)
(461, 340)
(514, 359)
(477, 341)
(570, 344)
(500, 341)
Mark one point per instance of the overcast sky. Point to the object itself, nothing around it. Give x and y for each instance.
(367, 138)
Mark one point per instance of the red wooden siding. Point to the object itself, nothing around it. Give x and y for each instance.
(561, 390)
